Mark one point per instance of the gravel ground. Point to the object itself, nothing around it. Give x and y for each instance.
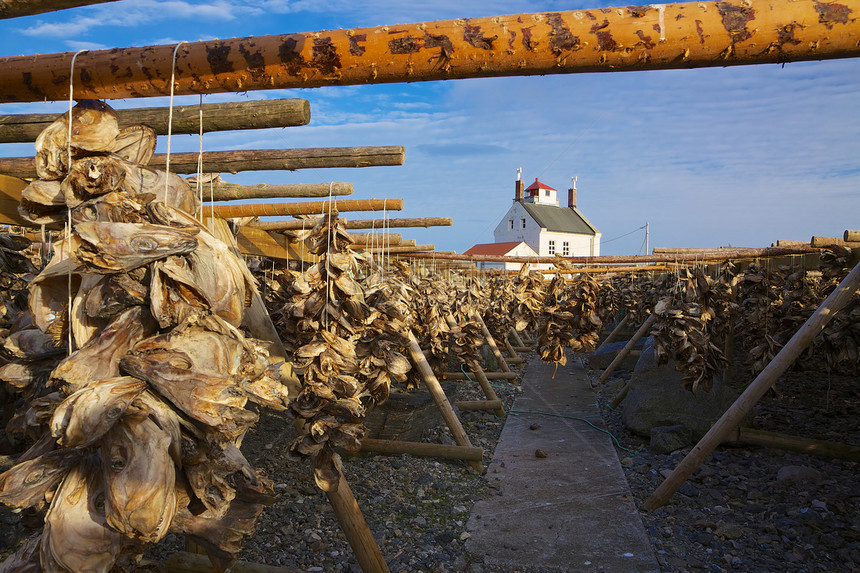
(746, 509)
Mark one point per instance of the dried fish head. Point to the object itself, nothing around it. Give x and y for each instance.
(135, 143)
(94, 128)
(27, 483)
(92, 176)
(121, 247)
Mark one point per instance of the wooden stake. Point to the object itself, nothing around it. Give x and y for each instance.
(516, 336)
(422, 449)
(498, 409)
(494, 348)
(647, 37)
(646, 326)
(718, 433)
(424, 222)
(494, 405)
(228, 116)
(307, 208)
(753, 437)
(615, 332)
(249, 160)
(355, 528)
(435, 389)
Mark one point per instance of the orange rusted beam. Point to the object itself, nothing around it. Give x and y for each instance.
(16, 8)
(307, 208)
(647, 37)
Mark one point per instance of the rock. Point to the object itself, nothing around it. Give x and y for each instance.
(667, 439)
(656, 398)
(601, 359)
(444, 538)
(539, 453)
(792, 474)
(730, 531)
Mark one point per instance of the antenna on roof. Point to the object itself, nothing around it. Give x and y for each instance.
(519, 173)
(573, 182)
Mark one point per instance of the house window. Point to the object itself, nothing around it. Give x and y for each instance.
(546, 193)
(524, 222)
(565, 249)
(512, 224)
(552, 247)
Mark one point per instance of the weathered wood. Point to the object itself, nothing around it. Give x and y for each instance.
(355, 528)
(643, 329)
(482, 378)
(516, 336)
(438, 395)
(374, 239)
(422, 449)
(491, 342)
(306, 208)
(515, 358)
(458, 375)
(223, 191)
(256, 242)
(821, 242)
(615, 332)
(249, 160)
(726, 255)
(401, 249)
(185, 562)
(18, 8)
(850, 235)
(784, 243)
(754, 437)
(378, 224)
(783, 360)
(253, 114)
(648, 37)
(494, 405)
(10, 198)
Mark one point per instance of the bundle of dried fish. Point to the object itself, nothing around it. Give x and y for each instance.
(529, 294)
(569, 319)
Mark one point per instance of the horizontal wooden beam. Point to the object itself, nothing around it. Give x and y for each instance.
(645, 37)
(850, 235)
(722, 256)
(393, 223)
(401, 249)
(228, 116)
(306, 208)
(223, 191)
(821, 242)
(18, 8)
(368, 239)
(754, 437)
(422, 449)
(249, 160)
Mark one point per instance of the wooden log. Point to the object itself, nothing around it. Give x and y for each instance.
(374, 239)
(10, 198)
(615, 332)
(723, 255)
(355, 528)
(643, 329)
(223, 191)
(255, 242)
(822, 242)
(18, 8)
(422, 449)
(458, 375)
(249, 160)
(307, 208)
(515, 358)
(185, 562)
(424, 222)
(239, 115)
(665, 36)
(494, 405)
(491, 342)
(401, 249)
(783, 360)
(754, 437)
(516, 336)
(851, 236)
(482, 378)
(435, 389)
(784, 243)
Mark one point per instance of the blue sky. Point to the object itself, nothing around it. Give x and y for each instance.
(737, 156)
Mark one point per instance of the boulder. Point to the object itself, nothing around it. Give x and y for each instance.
(601, 358)
(656, 398)
(667, 439)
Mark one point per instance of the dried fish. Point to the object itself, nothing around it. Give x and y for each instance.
(29, 482)
(94, 128)
(120, 247)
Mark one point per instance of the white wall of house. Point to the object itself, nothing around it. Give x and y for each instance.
(518, 225)
(569, 245)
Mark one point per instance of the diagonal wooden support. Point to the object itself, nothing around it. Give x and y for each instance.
(783, 360)
(626, 350)
(435, 389)
(491, 342)
(496, 405)
(615, 332)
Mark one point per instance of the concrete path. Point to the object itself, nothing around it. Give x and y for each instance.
(571, 510)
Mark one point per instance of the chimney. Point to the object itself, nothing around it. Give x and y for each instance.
(519, 189)
(571, 193)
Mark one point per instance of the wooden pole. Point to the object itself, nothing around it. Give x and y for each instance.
(516, 336)
(457, 375)
(628, 347)
(851, 236)
(490, 394)
(494, 348)
(783, 360)
(422, 449)
(821, 242)
(223, 191)
(753, 437)
(378, 224)
(648, 37)
(308, 208)
(435, 389)
(249, 160)
(401, 249)
(18, 8)
(228, 116)
(355, 528)
(515, 358)
(615, 332)
(494, 405)
(723, 255)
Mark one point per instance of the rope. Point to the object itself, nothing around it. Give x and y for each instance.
(69, 210)
(328, 259)
(200, 160)
(170, 119)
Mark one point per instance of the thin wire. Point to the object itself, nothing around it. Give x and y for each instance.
(200, 160)
(170, 119)
(622, 236)
(69, 210)
(575, 139)
(607, 432)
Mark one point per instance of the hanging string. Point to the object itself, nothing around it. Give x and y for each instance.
(69, 210)
(170, 119)
(327, 260)
(200, 162)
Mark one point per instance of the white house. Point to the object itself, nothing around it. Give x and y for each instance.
(537, 219)
(511, 249)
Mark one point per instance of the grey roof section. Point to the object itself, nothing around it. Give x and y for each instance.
(560, 219)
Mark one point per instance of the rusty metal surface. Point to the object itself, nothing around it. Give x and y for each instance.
(660, 36)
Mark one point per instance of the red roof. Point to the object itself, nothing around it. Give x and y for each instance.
(499, 249)
(538, 185)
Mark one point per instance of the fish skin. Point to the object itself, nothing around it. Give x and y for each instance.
(27, 483)
(26, 558)
(110, 247)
